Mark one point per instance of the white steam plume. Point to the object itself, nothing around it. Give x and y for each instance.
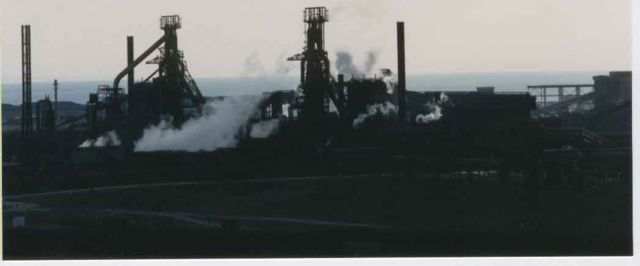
(218, 128)
(107, 139)
(389, 79)
(433, 115)
(264, 129)
(385, 109)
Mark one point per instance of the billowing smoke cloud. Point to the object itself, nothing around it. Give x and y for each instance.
(344, 64)
(443, 98)
(388, 79)
(107, 139)
(433, 111)
(217, 128)
(433, 115)
(386, 109)
(264, 129)
(252, 66)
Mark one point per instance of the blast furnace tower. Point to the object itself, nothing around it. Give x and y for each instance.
(315, 75)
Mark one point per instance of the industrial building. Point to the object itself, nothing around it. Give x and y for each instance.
(566, 138)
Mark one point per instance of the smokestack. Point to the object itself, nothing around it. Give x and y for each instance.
(130, 62)
(55, 98)
(402, 113)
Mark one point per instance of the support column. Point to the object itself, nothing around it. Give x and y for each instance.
(27, 117)
(130, 75)
(402, 112)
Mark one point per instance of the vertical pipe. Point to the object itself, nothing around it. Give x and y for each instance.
(342, 98)
(302, 77)
(27, 116)
(55, 99)
(341, 94)
(130, 75)
(23, 118)
(402, 112)
(38, 118)
(560, 93)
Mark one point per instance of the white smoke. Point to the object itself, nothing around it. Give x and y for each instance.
(389, 79)
(434, 114)
(385, 109)
(264, 129)
(215, 129)
(389, 83)
(107, 139)
(443, 98)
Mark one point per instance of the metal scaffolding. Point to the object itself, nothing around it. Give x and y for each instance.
(551, 94)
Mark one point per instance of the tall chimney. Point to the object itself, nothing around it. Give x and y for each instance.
(130, 62)
(55, 99)
(402, 100)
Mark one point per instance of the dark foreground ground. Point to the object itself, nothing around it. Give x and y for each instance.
(381, 215)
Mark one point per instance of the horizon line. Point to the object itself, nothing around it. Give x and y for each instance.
(296, 76)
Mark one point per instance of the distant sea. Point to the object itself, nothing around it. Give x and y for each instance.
(78, 91)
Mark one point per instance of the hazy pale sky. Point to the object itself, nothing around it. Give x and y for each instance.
(86, 40)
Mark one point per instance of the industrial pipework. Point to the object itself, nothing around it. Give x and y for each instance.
(174, 89)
